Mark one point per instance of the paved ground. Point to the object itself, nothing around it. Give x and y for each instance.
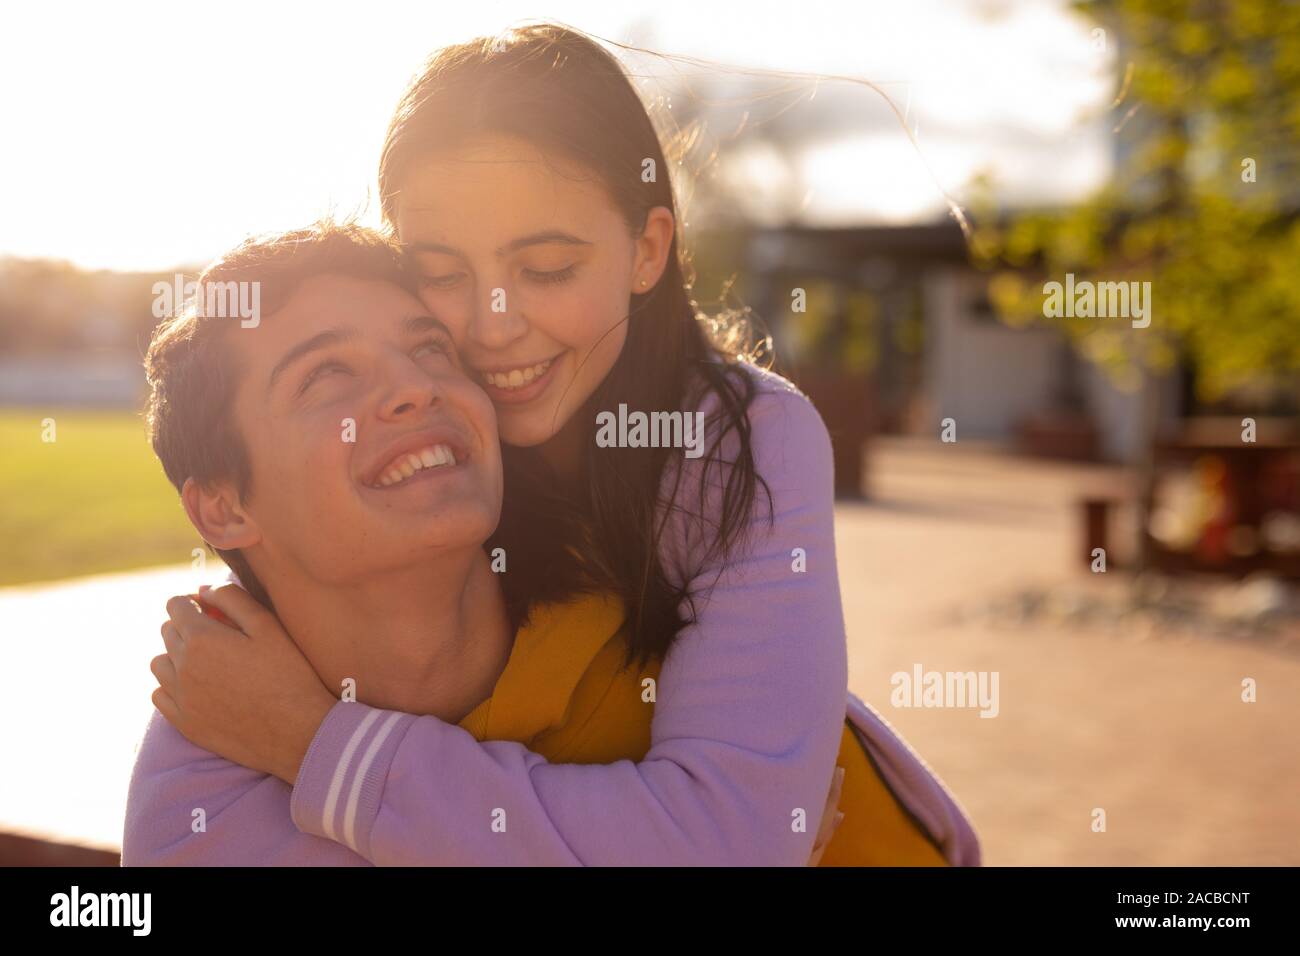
(1150, 729)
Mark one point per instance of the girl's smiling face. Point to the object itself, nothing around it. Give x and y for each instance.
(531, 265)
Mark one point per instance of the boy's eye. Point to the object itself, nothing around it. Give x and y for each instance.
(558, 275)
(432, 347)
(323, 370)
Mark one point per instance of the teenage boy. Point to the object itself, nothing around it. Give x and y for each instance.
(341, 461)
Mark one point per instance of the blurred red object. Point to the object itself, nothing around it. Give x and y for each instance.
(212, 611)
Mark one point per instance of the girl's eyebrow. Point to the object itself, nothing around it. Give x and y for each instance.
(539, 238)
(534, 239)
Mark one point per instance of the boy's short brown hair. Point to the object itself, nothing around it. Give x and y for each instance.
(192, 376)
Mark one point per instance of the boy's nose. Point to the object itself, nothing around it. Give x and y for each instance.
(410, 389)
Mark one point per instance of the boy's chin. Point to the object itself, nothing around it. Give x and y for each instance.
(412, 536)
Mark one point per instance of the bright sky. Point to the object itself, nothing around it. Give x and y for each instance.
(143, 136)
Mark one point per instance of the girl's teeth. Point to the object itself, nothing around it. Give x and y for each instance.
(428, 458)
(516, 378)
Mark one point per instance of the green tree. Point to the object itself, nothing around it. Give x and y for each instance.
(1203, 202)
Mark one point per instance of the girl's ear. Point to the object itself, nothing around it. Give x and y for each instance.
(217, 515)
(652, 247)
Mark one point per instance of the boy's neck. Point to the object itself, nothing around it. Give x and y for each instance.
(431, 639)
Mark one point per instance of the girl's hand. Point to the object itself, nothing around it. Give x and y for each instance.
(244, 692)
(831, 818)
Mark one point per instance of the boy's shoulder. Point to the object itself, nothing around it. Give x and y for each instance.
(169, 801)
(188, 806)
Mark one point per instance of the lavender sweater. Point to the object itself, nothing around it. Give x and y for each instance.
(750, 708)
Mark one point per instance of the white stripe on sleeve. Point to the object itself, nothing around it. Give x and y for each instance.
(341, 772)
(354, 796)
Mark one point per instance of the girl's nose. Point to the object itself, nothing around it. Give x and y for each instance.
(497, 321)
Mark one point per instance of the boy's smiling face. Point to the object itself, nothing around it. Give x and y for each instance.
(354, 350)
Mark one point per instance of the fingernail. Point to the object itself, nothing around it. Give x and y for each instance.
(839, 817)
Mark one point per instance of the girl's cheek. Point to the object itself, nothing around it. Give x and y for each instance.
(583, 316)
(453, 309)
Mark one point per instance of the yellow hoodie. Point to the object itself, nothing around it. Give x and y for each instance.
(566, 695)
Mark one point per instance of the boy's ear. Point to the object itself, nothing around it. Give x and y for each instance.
(218, 516)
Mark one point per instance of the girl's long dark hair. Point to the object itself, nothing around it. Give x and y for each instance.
(563, 92)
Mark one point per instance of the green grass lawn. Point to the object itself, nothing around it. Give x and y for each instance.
(93, 500)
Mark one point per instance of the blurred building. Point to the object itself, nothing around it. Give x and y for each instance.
(934, 347)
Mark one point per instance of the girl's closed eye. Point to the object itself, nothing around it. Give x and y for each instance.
(551, 277)
(445, 281)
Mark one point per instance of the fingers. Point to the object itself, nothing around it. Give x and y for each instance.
(830, 819)
(824, 836)
(837, 788)
(189, 620)
(185, 613)
(832, 801)
(237, 604)
(172, 639)
(166, 706)
(165, 672)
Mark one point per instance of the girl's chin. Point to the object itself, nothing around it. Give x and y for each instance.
(526, 428)
(527, 436)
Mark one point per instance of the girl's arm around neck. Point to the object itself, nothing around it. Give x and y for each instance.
(748, 720)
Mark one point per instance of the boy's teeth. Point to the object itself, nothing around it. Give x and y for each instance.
(407, 465)
(517, 377)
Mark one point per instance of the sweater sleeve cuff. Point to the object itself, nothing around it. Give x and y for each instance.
(341, 780)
